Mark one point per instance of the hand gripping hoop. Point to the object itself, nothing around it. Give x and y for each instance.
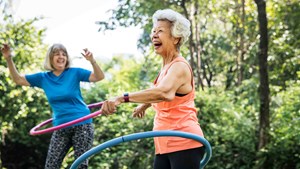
(35, 131)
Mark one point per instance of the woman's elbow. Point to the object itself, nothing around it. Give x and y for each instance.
(21, 82)
(17, 82)
(94, 78)
(100, 78)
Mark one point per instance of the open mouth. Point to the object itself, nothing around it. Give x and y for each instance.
(157, 44)
(61, 61)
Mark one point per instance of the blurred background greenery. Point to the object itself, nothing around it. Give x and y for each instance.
(225, 58)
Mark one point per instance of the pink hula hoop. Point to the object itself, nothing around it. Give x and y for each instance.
(35, 131)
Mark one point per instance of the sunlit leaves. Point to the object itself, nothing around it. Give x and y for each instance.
(21, 108)
(228, 117)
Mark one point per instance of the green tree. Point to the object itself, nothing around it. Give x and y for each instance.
(223, 51)
(21, 107)
(263, 73)
(284, 42)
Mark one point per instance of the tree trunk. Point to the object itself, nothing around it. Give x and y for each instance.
(198, 45)
(264, 90)
(242, 48)
(192, 46)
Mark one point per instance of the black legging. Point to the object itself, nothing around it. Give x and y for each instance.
(80, 137)
(186, 159)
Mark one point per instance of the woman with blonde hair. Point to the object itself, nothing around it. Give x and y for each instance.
(61, 84)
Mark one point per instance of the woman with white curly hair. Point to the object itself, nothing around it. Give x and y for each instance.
(172, 95)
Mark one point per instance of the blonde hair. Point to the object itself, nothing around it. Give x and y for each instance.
(50, 53)
(180, 25)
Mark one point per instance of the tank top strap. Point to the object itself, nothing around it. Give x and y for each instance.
(180, 59)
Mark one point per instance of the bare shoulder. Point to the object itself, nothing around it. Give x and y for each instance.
(180, 68)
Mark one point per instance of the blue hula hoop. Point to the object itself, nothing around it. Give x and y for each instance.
(135, 136)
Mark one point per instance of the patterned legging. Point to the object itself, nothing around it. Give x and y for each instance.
(80, 137)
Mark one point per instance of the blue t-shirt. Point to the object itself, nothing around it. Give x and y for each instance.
(63, 93)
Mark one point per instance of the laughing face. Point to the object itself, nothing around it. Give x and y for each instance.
(162, 39)
(59, 60)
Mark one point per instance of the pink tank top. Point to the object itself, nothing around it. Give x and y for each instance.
(179, 114)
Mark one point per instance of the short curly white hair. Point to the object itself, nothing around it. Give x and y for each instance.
(180, 24)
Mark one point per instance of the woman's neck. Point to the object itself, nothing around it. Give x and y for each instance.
(170, 57)
(57, 72)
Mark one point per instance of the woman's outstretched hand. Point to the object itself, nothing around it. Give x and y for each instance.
(5, 50)
(110, 106)
(139, 111)
(88, 55)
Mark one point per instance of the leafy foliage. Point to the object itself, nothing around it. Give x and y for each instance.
(21, 107)
(227, 111)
